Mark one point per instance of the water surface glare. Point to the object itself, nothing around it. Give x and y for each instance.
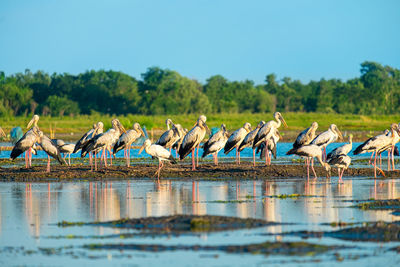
(29, 213)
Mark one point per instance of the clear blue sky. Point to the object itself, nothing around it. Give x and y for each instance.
(237, 39)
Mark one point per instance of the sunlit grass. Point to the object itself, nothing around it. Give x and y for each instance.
(295, 121)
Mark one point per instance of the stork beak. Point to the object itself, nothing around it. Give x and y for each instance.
(208, 129)
(339, 133)
(284, 122)
(30, 124)
(141, 149)
(142, 132)
(121, 127)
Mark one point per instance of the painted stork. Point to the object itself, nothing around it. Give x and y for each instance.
(104, 140)
(192, 140)
(377, 145)
(311, 151)
(126, 140)
(248, 140)
(25, 144)
(327, 137)
(236, 139)
(158, 152)
(51, 149)
(306, 136)
(341, 162)
(215, 143)
(265, 133)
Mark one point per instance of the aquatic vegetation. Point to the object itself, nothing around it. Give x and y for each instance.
(179, 223)
(388, 204)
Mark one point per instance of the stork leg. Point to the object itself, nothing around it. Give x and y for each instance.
(254, 157)
(69, 159)
(308, 167)
(266, 153)
(26, 159)
(340, 175)
(30, 157)
(323, 155)
(109, 151)
(193, 160)
(95, 161)
(104, 156)
(312, 167)
(392, 150)
(375, 166)
(197, 155)
(160, 164)
(370, 159)
(389, 153)
(48, 164)
(238, 155)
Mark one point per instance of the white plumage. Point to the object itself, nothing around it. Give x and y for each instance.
(311, 151)
(158, 152)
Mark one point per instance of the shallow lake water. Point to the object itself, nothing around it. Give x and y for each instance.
(29, 213)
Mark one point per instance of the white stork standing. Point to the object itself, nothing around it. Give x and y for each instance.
(265, 133)
(25, 144)
(327, 137)
(192, 140)
(51, 149)
(377, 144)
(104, 140)
(311, 151)
(215, 143)
(126, 140)
(158, 152)
(236, 139)
(249, 139)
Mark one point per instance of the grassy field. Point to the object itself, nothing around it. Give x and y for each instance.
(296, 121)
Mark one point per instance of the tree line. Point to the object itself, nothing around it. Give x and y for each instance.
(163, 91)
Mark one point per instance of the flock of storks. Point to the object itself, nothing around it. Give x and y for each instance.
(263, 139)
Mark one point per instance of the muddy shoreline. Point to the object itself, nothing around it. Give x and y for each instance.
(206, 171)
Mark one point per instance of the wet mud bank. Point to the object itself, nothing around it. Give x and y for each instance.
(179, 223)
(179, 171)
